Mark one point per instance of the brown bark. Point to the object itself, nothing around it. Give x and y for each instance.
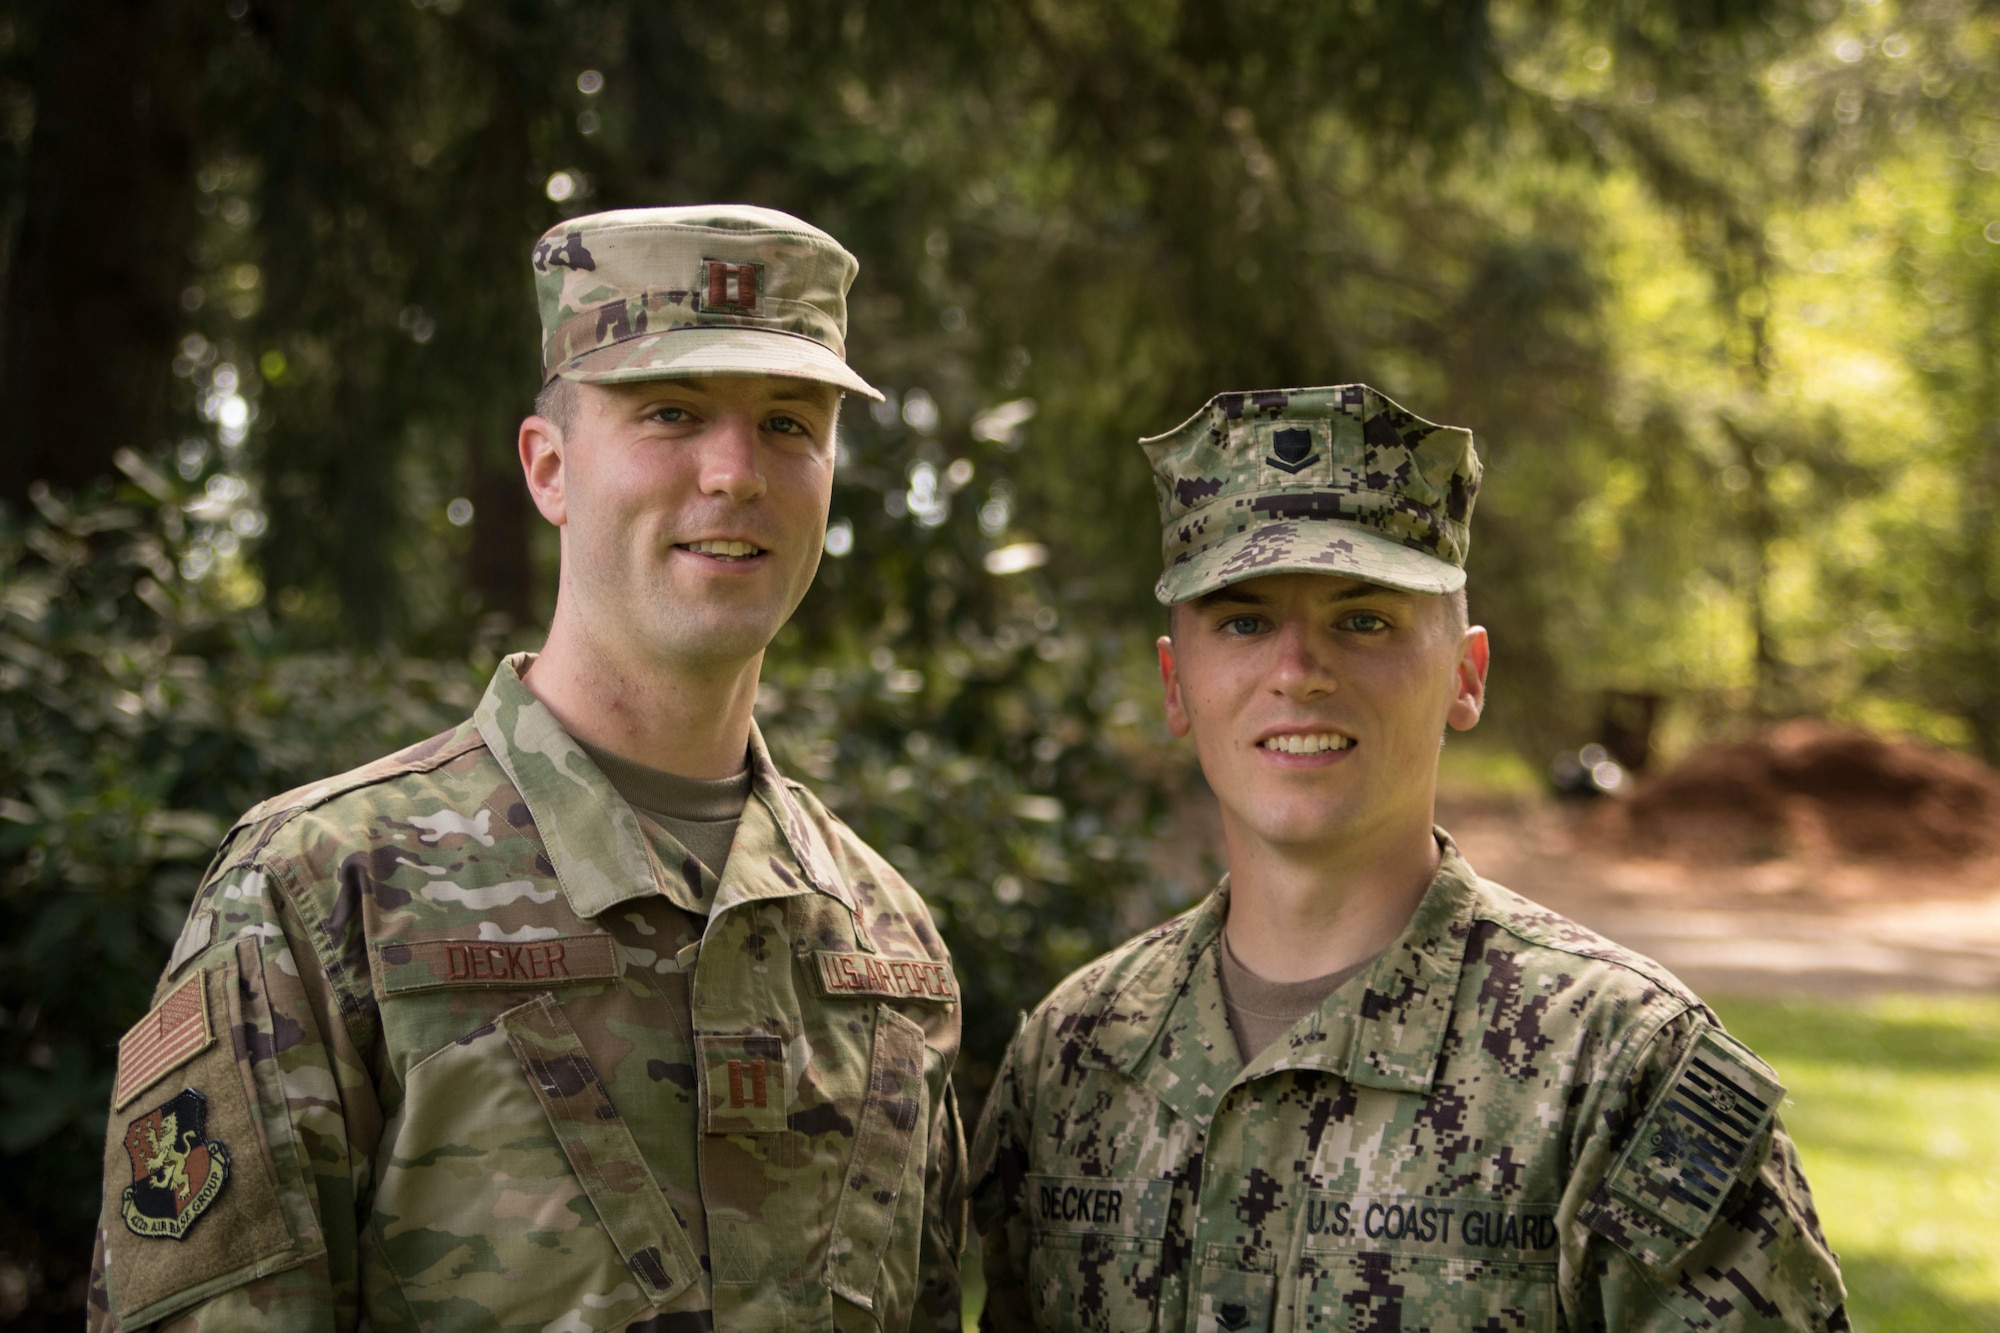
(498, 567)
(93, 282)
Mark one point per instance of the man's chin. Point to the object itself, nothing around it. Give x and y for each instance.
(710, 644)
(1304, 830)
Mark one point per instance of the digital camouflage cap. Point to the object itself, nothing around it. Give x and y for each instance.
(1334, 480)
(709, 289)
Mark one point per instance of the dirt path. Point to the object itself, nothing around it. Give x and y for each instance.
(1771, 928)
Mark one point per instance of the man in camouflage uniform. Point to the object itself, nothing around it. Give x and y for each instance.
(471, 1037)
(1359, 1087)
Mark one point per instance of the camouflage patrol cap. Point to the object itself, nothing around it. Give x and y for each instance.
(1335, 480)
(711, 289)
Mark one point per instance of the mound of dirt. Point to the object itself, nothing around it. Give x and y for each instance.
(1812, 790)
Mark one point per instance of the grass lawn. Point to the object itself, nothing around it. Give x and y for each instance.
(1895, 1105)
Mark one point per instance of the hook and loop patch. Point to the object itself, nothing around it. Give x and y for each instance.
(1702, 1129)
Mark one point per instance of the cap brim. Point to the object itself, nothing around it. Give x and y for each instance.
(1308, 546)
(687, 353)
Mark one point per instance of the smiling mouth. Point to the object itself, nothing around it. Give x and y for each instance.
(723, 550)
(1306, 742)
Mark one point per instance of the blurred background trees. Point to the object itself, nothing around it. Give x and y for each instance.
(1715, 284)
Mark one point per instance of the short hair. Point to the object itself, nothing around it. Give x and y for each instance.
(557, 402)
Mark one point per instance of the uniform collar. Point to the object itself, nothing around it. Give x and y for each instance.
(600, 855)
(1396, 1033)
(1167, 1025)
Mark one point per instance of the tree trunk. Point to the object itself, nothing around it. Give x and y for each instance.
(92, 300)
(498, 568)
(1982, 533)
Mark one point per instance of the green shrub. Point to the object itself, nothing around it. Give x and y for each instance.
(135, 725)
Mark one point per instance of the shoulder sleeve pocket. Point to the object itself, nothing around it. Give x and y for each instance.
(192, 1204)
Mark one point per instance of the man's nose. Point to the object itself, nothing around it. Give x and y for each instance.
(1303, 669)
(729, 464)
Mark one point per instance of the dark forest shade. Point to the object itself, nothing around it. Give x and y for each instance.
(98, 255)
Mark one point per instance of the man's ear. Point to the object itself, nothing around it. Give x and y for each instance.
(1469, 680)
(1170, 677)
(542, 447)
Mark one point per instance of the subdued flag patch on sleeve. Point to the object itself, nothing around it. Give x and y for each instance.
(175, 1031)
(1705, 1125)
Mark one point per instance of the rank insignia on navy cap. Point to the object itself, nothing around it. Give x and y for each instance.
(1334, 480)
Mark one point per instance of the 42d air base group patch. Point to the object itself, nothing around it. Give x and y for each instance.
(177, 1170)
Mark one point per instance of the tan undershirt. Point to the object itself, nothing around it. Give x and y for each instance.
(1261, 1011)
(701, 813)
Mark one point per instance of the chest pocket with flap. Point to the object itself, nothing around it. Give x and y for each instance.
(547, 1179)
(1096, 1258)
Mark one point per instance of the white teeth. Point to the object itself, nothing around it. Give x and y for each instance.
(1307, 742)
(732, 550)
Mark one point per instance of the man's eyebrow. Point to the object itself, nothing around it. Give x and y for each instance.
(1361, 590)
(1230, 597)
(642, 389)
(1236, 597)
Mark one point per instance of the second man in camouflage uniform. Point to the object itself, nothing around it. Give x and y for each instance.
(1359, 1087)
(579, 1016)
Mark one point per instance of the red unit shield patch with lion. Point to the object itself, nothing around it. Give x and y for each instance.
(177, 1171)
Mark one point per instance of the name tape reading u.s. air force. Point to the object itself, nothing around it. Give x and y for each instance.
(889, 978)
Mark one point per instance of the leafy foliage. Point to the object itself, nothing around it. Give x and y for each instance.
(135, 724)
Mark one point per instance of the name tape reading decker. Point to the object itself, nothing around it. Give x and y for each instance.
(1096, 1205)
(424, 964)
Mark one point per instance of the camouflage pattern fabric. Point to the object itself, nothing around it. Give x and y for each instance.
(1505, 1123)
(709, 289)
(1335, 480)
(475, 1060)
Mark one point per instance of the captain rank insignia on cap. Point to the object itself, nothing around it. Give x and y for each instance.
(731, 288)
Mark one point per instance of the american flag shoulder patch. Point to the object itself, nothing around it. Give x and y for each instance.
(175, 1031)
(1703, 1127)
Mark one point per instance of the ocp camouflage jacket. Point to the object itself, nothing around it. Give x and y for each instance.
(1505, 1123)
(448, 1044)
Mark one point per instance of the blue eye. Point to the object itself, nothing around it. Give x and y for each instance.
(673, 415)
(787, 426)
(1242, 625)
(1367, 622)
